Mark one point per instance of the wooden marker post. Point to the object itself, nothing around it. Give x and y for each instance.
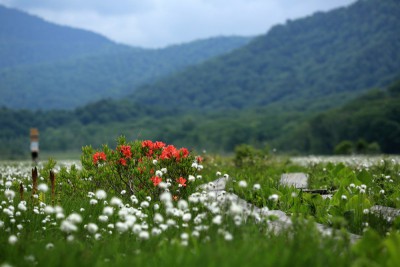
(34, 134)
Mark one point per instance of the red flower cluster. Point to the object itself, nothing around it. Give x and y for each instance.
(170, 152)
(181, 181)
(99, 156)
(126, 151)
(126, 154)
(156, 180)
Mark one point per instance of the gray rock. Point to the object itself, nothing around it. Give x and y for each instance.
(387, 213)
(298, 180)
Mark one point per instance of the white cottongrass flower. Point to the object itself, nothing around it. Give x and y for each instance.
(191, 178)
(182, 204)
(256, 187)
(228, 236)
(156, 207)
(144, 235)
(101, 194)
(155, 161)
(226, 176)
(1, 224)
(107, 210)
(382, 192)
(218, 173)
(9, 194)
(93, 201)
(49, 210)
(74, 218)
(148, 198)
(238, 220)
(164, 170)
(243, 183)
(49, 246)
(8, 184)
(186, 217)
(156, 231)
(103, 218)
(92, 228)
(134, 200)
(68, 227)
(121, 227)
(22, 206)
(200, 167)
(43, 188)
(144, 204)
(195, 165)
(166, 197)
(116, 202)
(196, 233)
(344, 197)
(235, 209)
(159, 173)
(158, 218)
(217, 219)
(366, 211)
(273, 197)
(123, 192)
(12, 239)
(184, 236)
(363, 186)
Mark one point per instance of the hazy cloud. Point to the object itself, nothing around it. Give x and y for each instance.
(157, 23)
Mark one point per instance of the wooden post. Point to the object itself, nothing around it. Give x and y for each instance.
(21, 191)
(34, 134)
(53, 186)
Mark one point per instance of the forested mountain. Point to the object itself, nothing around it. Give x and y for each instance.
(45, 66)
(27, 39)
(312, 63)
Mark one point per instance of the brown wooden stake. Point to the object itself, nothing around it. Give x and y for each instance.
(34, 180)
(53, 186)
(21, 191)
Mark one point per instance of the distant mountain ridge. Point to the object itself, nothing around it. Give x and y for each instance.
(316, 62)
(45, 66)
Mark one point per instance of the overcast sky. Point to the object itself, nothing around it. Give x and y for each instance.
(158, 23)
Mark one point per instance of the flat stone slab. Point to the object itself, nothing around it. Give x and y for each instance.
(298, 180)
(387, 213)
(216, 190)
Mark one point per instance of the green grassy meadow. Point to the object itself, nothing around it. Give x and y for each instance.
(90, 227)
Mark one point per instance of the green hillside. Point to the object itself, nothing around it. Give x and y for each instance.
(372, 118)
(45, 66)
(316, 62)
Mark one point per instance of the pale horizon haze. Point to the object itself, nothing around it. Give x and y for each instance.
(160, 23)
